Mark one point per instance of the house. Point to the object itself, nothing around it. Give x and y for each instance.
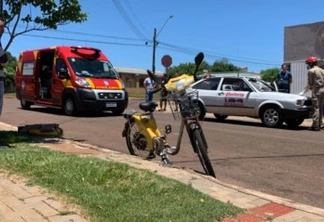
(134, 78)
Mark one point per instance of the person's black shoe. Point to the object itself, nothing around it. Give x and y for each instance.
(315, 129)
(150, 156)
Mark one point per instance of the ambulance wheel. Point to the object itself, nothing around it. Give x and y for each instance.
(69, 107)
(25, 104)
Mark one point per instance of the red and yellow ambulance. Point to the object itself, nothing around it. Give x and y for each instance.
(69, 77)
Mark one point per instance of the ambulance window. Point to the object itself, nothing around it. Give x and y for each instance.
(60, 64)
(28, 69)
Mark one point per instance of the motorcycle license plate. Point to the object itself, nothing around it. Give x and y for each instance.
(110, 104)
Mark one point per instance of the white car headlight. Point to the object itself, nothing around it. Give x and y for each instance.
(300, 102)
(82, 82)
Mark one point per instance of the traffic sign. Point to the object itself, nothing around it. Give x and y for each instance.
(166, 61)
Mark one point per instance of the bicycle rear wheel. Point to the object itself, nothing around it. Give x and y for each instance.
(136, 142)
(201, 151)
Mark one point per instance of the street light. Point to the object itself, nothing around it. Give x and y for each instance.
(170, 17)
(155, 42)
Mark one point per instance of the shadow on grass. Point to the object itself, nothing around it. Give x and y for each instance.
(8, 139)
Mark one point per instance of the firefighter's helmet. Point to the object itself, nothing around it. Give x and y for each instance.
(311, 60)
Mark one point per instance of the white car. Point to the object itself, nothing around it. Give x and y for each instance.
(243, 96)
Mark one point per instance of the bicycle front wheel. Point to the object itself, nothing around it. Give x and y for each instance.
(201, 151)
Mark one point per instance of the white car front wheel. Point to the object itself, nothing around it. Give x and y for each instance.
(271, 117)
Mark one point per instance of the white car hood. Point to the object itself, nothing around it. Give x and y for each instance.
(281, 96)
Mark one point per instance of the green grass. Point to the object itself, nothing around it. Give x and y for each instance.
(142, 95)
(109, 191)
(137, 95)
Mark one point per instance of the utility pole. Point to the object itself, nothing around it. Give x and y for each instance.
(155, 43)
(154, 48)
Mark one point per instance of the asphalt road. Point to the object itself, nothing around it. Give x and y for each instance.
(282, 162)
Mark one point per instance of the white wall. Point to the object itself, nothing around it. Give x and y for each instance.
(299, 72)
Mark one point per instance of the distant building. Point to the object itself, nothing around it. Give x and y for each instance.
(300, 42)
(133, 78)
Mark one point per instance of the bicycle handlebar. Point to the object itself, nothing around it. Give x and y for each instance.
(198, 60)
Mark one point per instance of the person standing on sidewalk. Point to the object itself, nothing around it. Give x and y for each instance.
(163, 94)
(149, 85)
(3, 62)
(316, 85)
(284, 79)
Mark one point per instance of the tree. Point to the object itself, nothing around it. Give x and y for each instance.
(188, 68)
(269, 75)
(10, 72)
(223, 65)
(182, 68)
(53, 13)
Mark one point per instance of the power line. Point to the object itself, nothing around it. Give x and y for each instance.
(92, 35)
(215, 55)
(170, 47)
(84, 40)
(135, 16)
(127, 19)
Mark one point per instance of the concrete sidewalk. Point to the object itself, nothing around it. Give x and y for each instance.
(19, 202)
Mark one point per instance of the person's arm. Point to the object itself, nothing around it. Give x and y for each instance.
(309, 85)
(289, 78)
(3, 57)
(144, 84)
(310, 80)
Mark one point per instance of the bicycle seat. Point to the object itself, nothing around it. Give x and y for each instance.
(148, 106)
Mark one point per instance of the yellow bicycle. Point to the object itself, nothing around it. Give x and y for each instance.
(141, 131)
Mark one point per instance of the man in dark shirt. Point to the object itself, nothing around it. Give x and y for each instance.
(284, 79)
(3, 62)
(163, 94)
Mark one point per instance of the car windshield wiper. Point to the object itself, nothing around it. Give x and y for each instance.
(98, 76)
(84, 74)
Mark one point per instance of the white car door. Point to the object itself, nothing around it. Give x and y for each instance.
(235, 97)
(208, 92)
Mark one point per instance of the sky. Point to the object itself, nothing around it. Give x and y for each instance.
(248, 33)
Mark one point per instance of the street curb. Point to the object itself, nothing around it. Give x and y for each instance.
(188, 175)
(272, 198)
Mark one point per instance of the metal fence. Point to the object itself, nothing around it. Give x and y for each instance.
(298, 71)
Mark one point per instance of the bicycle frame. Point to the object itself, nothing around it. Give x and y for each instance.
(147, 126)
(147, 136)
(189, 125)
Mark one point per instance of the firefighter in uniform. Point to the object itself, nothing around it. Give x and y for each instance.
(316, 85)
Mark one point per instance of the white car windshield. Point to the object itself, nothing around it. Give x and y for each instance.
(261, 85)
